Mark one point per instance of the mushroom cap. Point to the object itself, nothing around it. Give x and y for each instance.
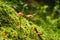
(29, 16)
(20, 14)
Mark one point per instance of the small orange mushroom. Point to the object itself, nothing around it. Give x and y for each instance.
(20, 14)
(39, 33)
(29, 16)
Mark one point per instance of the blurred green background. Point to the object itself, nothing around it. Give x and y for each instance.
(46, 20)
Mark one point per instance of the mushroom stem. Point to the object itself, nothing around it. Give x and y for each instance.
(20, 21)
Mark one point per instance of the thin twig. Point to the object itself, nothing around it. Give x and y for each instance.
(38, 34)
